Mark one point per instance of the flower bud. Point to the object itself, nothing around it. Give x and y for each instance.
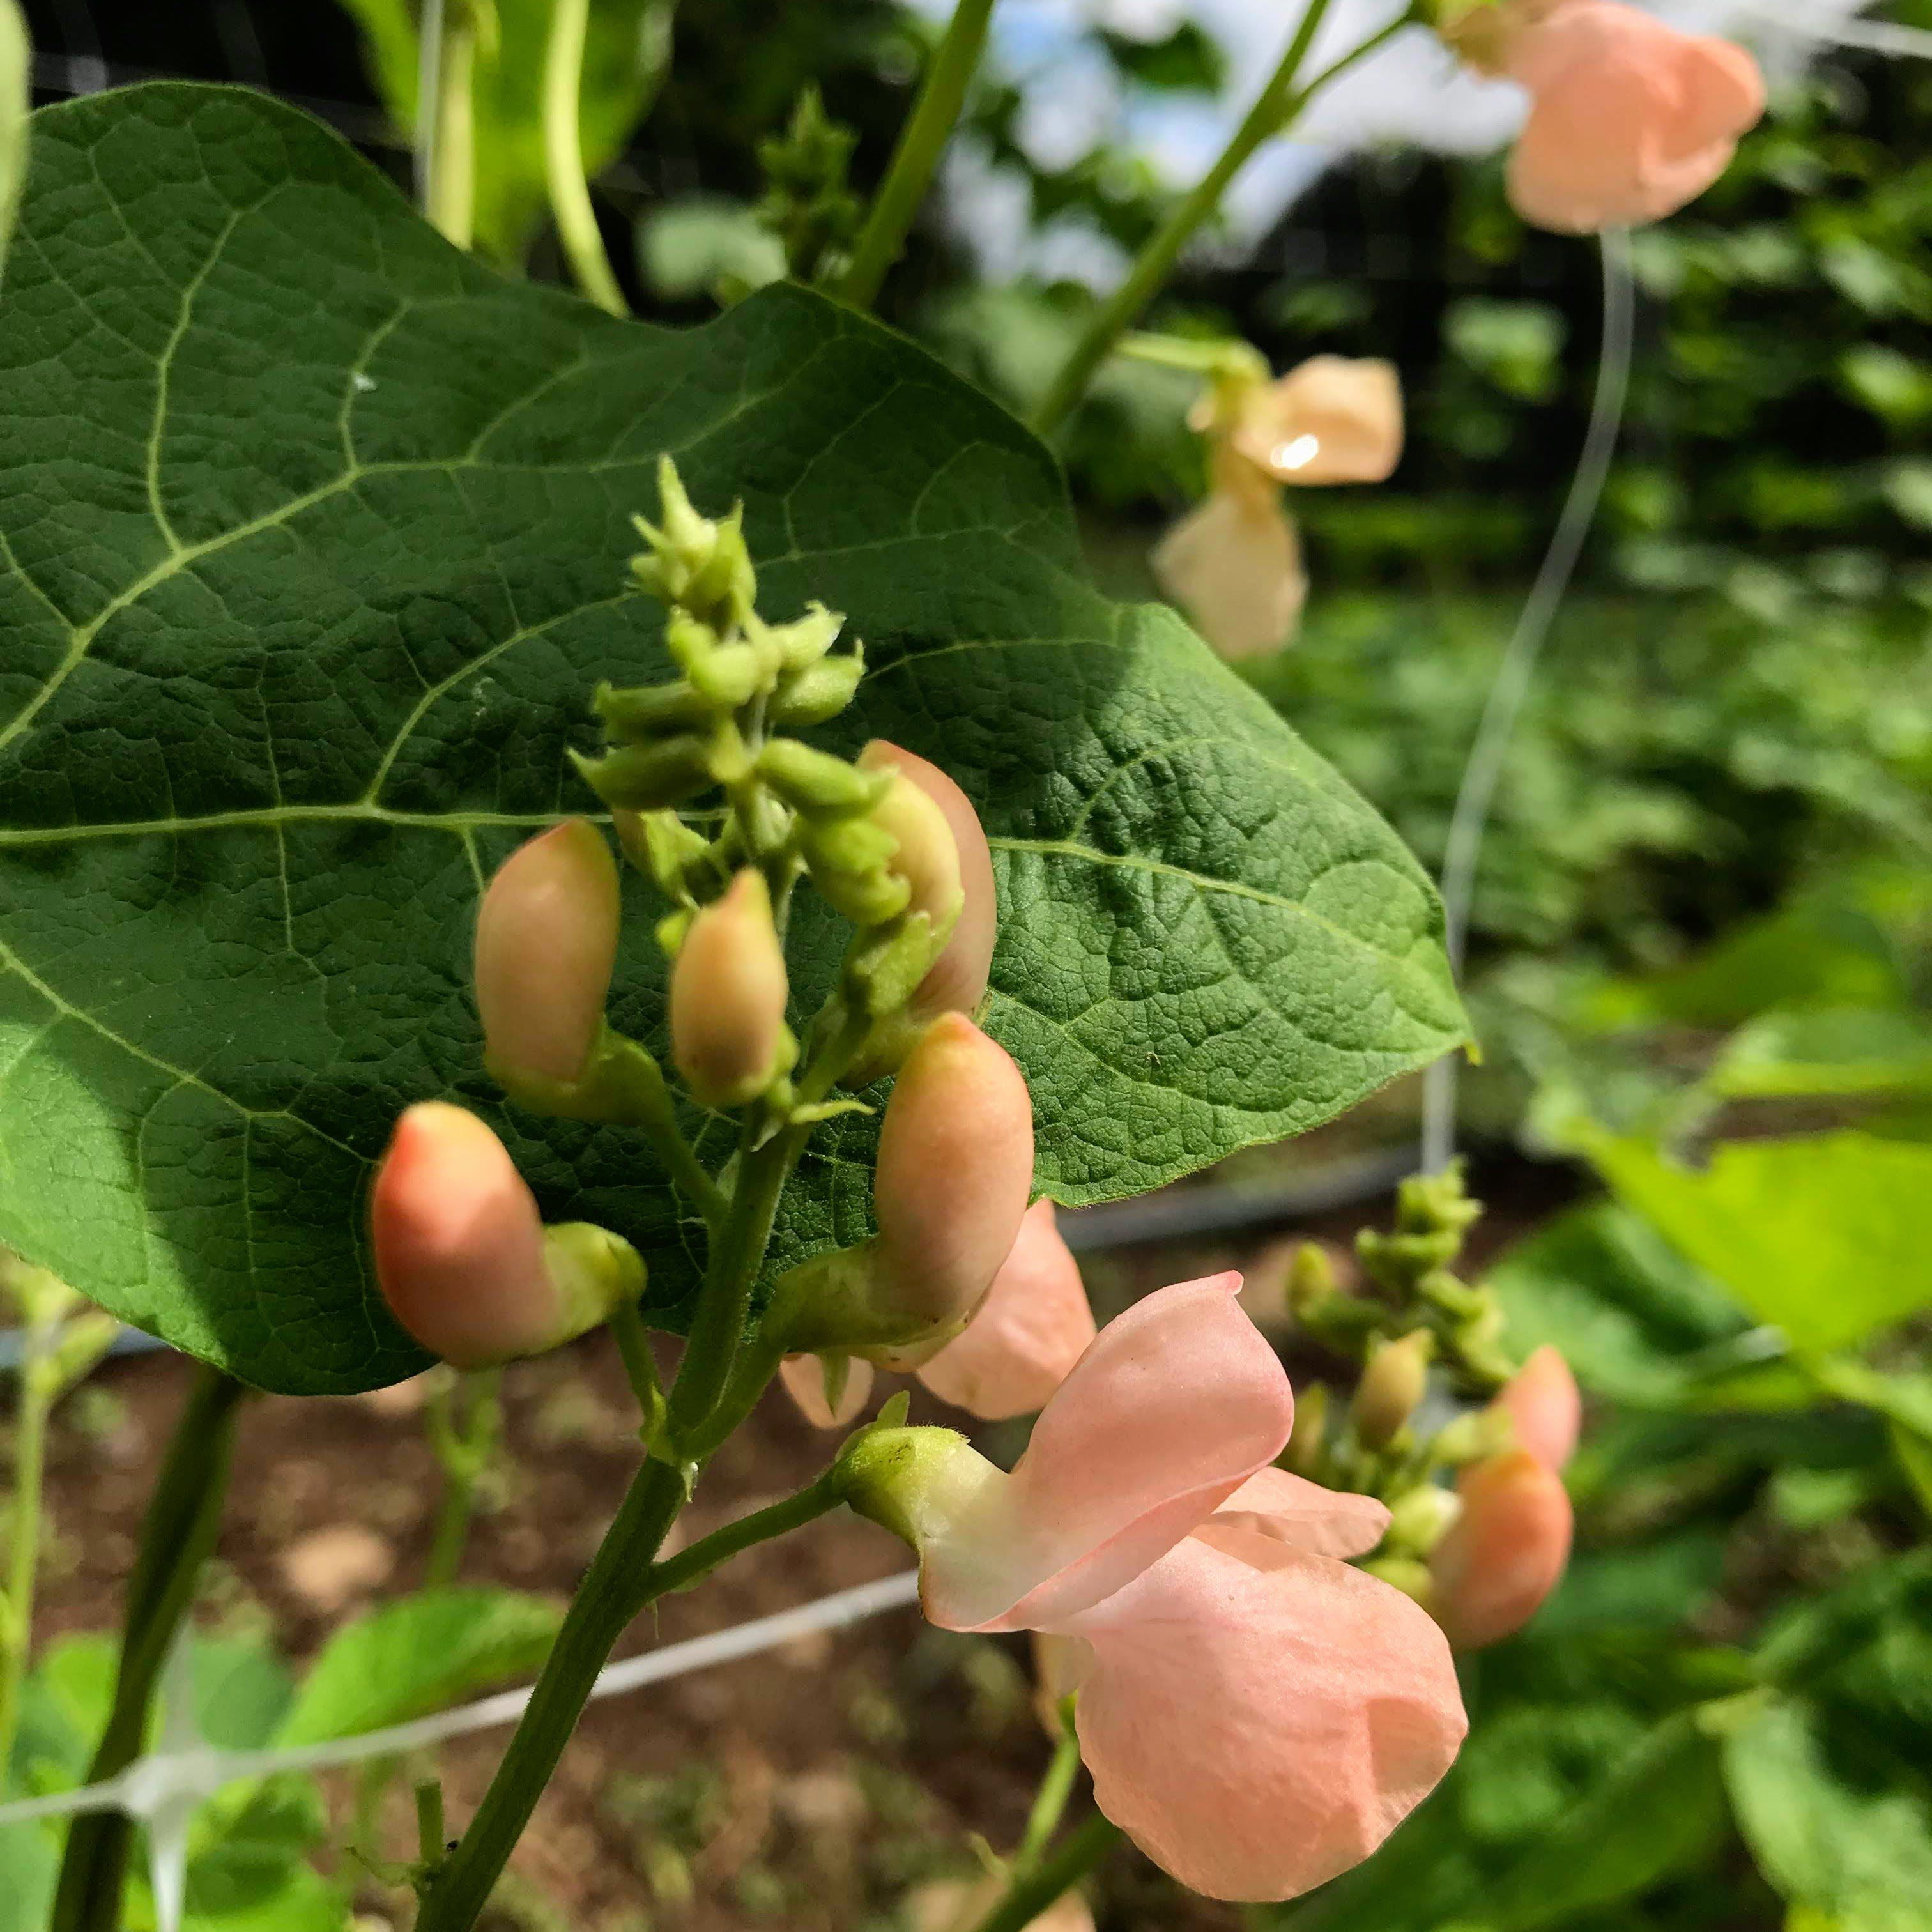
(462, 1258)
(817, 693)
(954, 1170)
(1308, 1441)
(727, 997)
(1543, 1404)
(649, 778)
(1506, 1552)
(958, 980)
(1391, 1385)
(546, 946)
(830, 1390)
(815, 783)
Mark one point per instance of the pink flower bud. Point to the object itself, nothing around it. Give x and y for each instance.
(727, 997)
(462, 1258)
(1034, 1324)
(955, 1169)
(546, 945)
(828, 1394)
(1543, 1404)
(1629, 118)
(1505, 1553)
(958, 980)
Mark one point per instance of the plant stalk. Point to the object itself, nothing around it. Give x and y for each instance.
(922, 142)
(695, 1562)
(183, 1519)
(563, 158)
(1274, 113)
(464, 1435)
(38, 1390)
(1029, 1895)
(446, 120)
(1049, 1804)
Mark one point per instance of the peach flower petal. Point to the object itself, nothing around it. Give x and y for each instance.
(806, 1380)
(1542, 1401)
(1335, 419)
(1258, 1719)
(1177, 1403)
(1505, 1554)
(1629, 119)
(1034, 1324)
(1234, 565)
(1292, 1510)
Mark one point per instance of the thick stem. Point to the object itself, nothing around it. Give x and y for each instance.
(1279, 103)
(921, 143)
(563, 158)
(446, 120)
(183, 1519)
(38, 1387)
(1083, 1847)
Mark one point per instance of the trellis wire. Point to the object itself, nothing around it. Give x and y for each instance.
(1880, 37)
(1504, 705)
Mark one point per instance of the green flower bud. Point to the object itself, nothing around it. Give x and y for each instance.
(649, 778)
(817, 785)
(661, 845)
(804, 641)
(1308, 1442)
(701, 565)
(818, 693)
(731, 676)
(1392, 1384)
(1419, 1520)
(649, 712)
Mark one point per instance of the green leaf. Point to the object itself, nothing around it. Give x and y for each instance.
(241, 1692)
(626, 47)
(1866, 1644)
(1798, 1055)
(417, 1655)
(29, 1867)
(1835, 1816)
(248, 1847)
(296, 650)
(1823, 1236)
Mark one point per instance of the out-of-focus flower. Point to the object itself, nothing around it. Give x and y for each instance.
(1545, 1407)
(546, 945)
(1256, 1714)
(1629, 119)
(462, 1257)
(1506, 1551)
(1235, 563)
(1034, 1325)
(811, 1381)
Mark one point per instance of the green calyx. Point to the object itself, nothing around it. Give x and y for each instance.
(908, 1481)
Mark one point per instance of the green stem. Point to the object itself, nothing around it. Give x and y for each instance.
(39, 1387)
(691, 1565)
(1049, 1804)
(640, 1365)
(183, 1520)
(464, 1435)
(1027, 1897)
(563, 157)
(446, 117)
(1280, 103)
(922, 142)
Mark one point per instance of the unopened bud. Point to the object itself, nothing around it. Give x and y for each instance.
(954, 1170)
(729, 676)
(462, 1258)
(957, 981)
(1311, 1277)
(1392, 1384)
(546, 946)
(661, 844)
(649, 778)
(727, 998)
(1419, 1520)
(692, 561)
(805, 640)
(829, 1390)
(817, 783)
(1544, 1407)
(1492, 1572)
(818, 694)
(646, 712)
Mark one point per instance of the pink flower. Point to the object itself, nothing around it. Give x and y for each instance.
(1034, 1324)
(462, 1258)
(1332, 419)
(1256, 1714)
(1542, 1401)
(1505, 1554)
(546, 945)
(1629, 119)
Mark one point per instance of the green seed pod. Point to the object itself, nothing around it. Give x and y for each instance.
(651, 711)
(818, 693)
(817, 783)
(649, 778)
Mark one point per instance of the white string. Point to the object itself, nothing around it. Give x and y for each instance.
(151, 1785)
(1504, 703)
(1883, 36)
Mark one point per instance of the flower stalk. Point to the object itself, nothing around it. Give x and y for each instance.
(563, 158)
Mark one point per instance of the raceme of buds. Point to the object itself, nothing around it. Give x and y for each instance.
(728, 991)
(1505, 1554)
(1630, 118)
(546, 946)
(462, 1258)
(829, 1390)
(955, 1169)
(1543, 1403)
(691, 562)
(1213, 1631)
(957, 981)
(1392, 1384)
(1034, 1325)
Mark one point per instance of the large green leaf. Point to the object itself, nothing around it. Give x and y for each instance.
(315, 542)
(1823, 1236)
(418, 1654)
